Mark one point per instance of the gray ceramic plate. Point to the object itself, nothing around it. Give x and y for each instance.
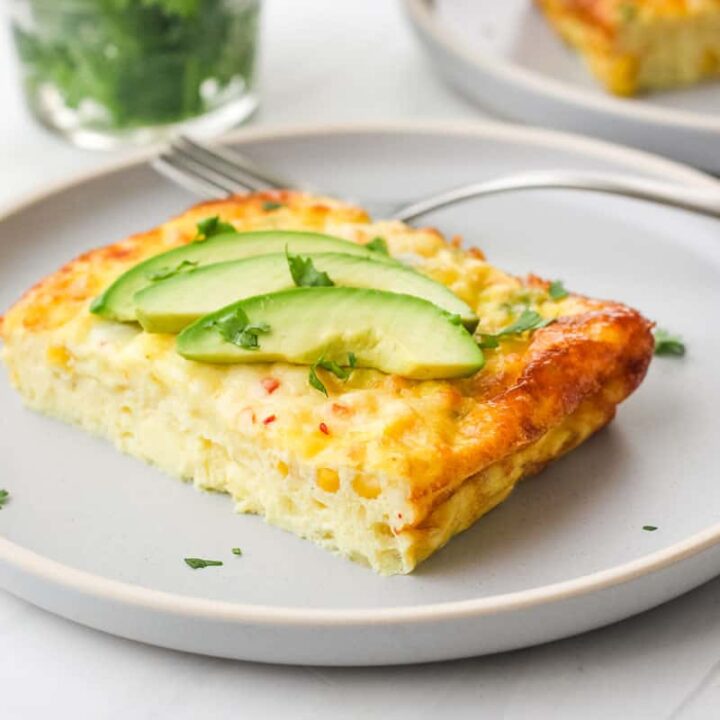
(99, 537)
(505, 56)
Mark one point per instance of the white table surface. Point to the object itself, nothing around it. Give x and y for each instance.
(360, 63)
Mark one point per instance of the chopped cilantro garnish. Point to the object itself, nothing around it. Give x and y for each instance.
(167, 272)
(557, 290)
(235, 327)
(236, 551)
(304, 273)
(667, 344)
(332, 367)
(488, 342)
(212, 226)
(378, 244)
(650, 528)
(339, 372)
(140, 63)
(316, 382)
(4, 495)
(528, 320)
(270, 205)
(197, 563)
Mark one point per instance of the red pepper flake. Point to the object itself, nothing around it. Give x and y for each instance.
(270, 384)
(324, 428)
(269, 419)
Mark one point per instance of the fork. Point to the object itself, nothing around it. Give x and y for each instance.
(213, 174)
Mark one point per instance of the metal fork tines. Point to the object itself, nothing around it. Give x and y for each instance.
(212, 174)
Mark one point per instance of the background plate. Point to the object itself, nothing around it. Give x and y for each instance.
(505, 56)
(99, 537)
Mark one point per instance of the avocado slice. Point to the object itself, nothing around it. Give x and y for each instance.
(116, 303)
(170, 305)
(399, 334)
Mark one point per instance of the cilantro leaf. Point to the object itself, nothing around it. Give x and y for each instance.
(379, 245)
(528, 320)
(339, 372)
(237, 551)
(4, 495)
(235, 327)
(197, 563)
(270, 206)
(304, 273)
(316, 382)
(667, 344)
(331, 366)
(557, 290)
(488, 342)
(167, 272)
(248, 338)
(212, 226)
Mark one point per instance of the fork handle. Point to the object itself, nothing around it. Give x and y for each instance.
(701, 200)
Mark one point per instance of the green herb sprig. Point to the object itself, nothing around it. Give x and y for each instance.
(235, 327)
(557, 290)
(528, 321)
(4, 497)
(379, 245)
(212, 226)
(304, 273)
(237, 551)
(340, 372)
(198, 563)
(271, 206)
(650, 528)
(667, 344)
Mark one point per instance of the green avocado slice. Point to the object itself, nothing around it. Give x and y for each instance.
(394, 333)
(116, 303)
(171, 305)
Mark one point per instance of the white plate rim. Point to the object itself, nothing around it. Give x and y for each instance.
(88, 584)
(422, 15)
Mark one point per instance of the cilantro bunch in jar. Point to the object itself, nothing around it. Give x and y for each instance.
(109, 72)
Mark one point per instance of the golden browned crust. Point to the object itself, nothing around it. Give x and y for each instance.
(604, 354)
(451, 431)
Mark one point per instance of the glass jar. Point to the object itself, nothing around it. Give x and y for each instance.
(110, 72)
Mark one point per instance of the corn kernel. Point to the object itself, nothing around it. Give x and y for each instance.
(366, 487)
(58, 355)
(328, 480)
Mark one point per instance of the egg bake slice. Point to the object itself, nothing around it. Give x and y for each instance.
(384, 469)
(638, 45)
